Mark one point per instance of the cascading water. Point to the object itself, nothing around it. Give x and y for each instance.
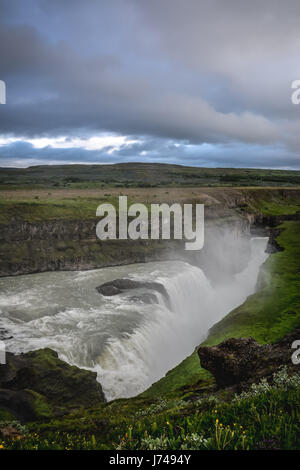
(129, 343)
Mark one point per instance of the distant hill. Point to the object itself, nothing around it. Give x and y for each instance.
(142, 175)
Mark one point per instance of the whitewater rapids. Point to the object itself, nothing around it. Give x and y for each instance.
(128, 343)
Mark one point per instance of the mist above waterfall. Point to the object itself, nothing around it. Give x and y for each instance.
(129, 343)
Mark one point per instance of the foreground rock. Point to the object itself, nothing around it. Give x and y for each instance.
(39, 385)
(239, 360)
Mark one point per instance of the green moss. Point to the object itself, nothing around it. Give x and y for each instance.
(283, 206)
(6, 415)
(41, 406)
(271, 202)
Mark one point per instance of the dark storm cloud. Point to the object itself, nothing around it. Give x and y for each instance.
(196, 71)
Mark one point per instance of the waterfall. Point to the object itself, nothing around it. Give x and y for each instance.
(129, 343)
(132, 364)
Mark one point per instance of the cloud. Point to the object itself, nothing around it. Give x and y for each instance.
(200, 72)
(24, 154)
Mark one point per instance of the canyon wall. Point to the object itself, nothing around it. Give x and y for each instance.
(230, 215)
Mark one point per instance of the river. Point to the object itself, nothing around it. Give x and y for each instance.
(129, 343)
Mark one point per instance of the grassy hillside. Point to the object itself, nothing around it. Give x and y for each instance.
(266, 420)
(141, 175)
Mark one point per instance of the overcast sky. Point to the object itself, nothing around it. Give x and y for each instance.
(193, 82)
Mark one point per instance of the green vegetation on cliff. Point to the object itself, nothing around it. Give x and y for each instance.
(33, 210)
(274, 310)
(273, 203)
(267, 315)
(38, 385)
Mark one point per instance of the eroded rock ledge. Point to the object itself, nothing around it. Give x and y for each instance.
(242, 361)
(38, 385)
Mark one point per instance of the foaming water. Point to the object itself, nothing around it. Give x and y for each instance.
(129, 343)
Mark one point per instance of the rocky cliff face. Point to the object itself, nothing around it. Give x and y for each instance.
(49, 245)
(67, 245)
(238, 362)
(39, 385)
(72, 245)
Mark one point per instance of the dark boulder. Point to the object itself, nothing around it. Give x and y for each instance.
(232, 361)
(238, 360)
(118, 286)
(39, 385)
